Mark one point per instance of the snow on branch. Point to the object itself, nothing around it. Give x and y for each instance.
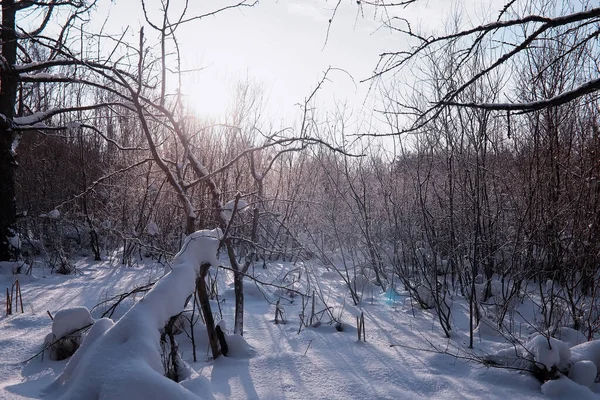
(131, 346)
(32, 120)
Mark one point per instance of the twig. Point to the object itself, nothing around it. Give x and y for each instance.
(56, 341)
(307, 347)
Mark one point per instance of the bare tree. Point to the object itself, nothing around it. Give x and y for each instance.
(519, 27)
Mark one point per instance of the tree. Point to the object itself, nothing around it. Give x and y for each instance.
(519, 27)
(17, 67)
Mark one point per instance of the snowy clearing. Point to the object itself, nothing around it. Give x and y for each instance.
(277, 362)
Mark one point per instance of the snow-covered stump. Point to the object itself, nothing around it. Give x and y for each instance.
(548, 355)
(123, 359)
(68, 327)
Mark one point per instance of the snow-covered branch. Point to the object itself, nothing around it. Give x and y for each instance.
(32, 121)
(132, 345)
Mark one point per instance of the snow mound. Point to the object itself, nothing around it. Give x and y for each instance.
(68, 327)
(70, 320)
(425, 296)
(123, 361)
(54, 214)
(152, 228)
(570, 336)
(588, 351)
(488, 328)
(584, 373)
(564, 388)
(238, 347)
(230, 205)
(548, 352)
(9, 267)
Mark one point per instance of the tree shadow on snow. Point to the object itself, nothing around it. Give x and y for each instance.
(37, 376)
(227, 369)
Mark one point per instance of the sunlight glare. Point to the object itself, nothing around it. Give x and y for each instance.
(208, 94)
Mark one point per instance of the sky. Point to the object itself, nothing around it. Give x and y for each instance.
(280, 47)
(277, 45)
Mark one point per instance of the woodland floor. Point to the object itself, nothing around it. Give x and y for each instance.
(280, 363)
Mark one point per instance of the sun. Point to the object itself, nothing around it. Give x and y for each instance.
(208, 94)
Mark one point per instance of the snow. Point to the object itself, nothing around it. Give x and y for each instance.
(15, 144)
(131, 346)
(152, 228)
(69, 320)
(583, 372)
(73, 125)
(238, 347)
(34, 118)
(223, 325)
(564, 388)
(570, 336)
(27, 66)
(43, 76)
(54, 214)
(588, 351)
(9, 268)
(121, 360)
(230, 205)
(548, 352)
(488, 328)
(426, 296)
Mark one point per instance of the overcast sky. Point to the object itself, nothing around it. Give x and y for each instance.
(280, 45)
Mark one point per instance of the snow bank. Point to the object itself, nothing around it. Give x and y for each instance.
(238, 347)
(230, 205)
(488, 328)
(588, 351)
(584, 373)
(570, 336)
(124, 360)
(564, 388)
(548, 352)
(9, 268)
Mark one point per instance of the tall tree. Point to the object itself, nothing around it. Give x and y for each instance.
(8, 212)
(16, 67)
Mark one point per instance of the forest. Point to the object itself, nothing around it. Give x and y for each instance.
(471, 207)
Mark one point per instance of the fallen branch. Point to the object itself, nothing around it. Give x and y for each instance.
(119, 298)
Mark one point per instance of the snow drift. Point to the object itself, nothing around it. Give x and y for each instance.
(123, 359)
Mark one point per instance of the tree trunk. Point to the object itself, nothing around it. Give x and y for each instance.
(206, 311)
(238, 282)
(8, 163)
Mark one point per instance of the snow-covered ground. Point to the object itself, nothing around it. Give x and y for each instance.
(402, 358)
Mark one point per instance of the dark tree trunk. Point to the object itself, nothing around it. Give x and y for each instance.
(206, 311)
(8, 163)
(238, 283)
